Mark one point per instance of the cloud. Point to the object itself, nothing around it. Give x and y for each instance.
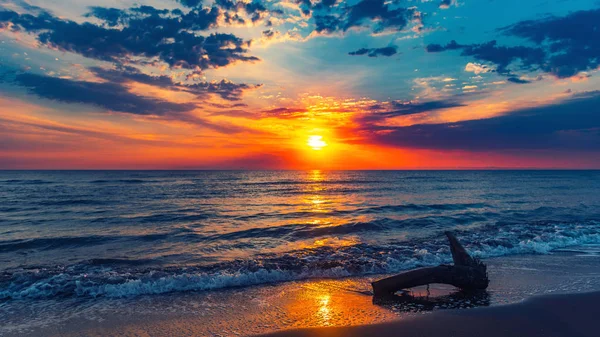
(114, 96)
(478, 68)
(274, 36)
(138, 35)
(111, 96)
(501, 56)
(225, 89)
(517, 80)
(377, 15)
(573, 41)
(572, 124)
(374, 52)
(286, 113)
(563, 46)
(256, 10)
(436, 48)
(17, 129)
(380, 112)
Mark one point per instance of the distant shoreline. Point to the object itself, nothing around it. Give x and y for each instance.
(548, 316)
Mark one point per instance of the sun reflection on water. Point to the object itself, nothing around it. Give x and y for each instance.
(316, 176)
(314, 198)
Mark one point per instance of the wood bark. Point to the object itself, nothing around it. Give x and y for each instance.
(467, 273)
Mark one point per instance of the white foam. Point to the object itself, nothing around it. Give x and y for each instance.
(518, 239)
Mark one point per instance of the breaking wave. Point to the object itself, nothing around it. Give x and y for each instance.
(116, 278)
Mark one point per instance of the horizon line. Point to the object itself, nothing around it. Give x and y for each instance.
(317, 169)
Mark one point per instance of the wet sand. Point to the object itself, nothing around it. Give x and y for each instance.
(573, 315)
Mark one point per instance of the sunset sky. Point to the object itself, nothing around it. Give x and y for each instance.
(299, 84)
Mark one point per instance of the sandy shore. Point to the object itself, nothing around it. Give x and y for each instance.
(559, 315)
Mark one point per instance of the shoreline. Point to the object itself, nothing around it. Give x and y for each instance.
(548, 315)
(278, 309)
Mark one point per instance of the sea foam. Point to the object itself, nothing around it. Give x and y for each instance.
(90, 280)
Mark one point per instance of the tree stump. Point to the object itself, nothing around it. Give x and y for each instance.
(467, 273)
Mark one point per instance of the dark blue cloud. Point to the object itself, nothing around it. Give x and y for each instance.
(225, 89)
(436, 48)
(517, 80)
(374, 52)
(572, 124)
(306, 6)
(111, 96)
(327, 23)
(378, 113)
(501, 56)
(573, 41)
(563, 46)
(378, 15)
(138, 35)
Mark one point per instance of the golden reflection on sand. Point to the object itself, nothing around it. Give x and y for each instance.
(324, 312)
(332, 303)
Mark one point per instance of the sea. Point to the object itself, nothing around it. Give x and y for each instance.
(83, 237)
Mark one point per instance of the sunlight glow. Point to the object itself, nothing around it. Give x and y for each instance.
(316, 142)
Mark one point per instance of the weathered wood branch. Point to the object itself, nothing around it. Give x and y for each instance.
(466, 273)
(459, 253)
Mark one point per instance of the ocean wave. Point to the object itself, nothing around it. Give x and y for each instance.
(26, 181)
(9, 209)
(308, 230)
(49, 243)
(396, 209)
(121, 279)
(122, 181)
(72, 202)
(423, 207)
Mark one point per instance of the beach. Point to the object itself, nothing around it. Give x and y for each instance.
(522, 300)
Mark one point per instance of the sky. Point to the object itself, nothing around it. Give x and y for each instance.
(299, 84)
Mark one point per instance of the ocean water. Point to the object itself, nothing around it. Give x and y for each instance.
(89, 235)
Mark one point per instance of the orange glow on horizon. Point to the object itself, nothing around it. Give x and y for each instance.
(320, 132)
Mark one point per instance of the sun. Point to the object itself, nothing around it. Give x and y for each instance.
(316, 142)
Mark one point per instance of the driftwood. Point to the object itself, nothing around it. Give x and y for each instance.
(467, 273)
